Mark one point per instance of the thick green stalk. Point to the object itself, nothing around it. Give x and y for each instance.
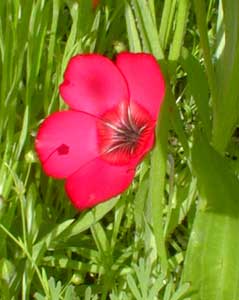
(157, 184)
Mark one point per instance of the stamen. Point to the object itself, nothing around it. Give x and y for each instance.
(131, 121)
(124, 132)
(123, 145)
(142, 128)
(125, 124)
(114, 127)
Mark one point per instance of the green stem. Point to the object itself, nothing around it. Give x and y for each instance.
(182, 16)
(21, 245)
(157, 184)
(166, 21)
(55, 16)
(200, 11)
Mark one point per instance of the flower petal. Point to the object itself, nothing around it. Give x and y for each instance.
(65, 141)
(92, 83)
(145, 80)
(97, 182)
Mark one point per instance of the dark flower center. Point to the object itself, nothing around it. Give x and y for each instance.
(124, 133)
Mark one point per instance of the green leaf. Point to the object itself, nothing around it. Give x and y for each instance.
(198, 87)
(157, 183)
(181, 292)
(212, 261)
(178, 38)
(40, 247)
(148, 28)
(167, 21)
(227, 76)
(133, 287)
(91, 217)
(200, 11)
(133, 35)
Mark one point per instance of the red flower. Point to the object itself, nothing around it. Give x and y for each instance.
(97, 144)
(95, 3)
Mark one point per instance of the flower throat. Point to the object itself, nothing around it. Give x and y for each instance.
(123, 133)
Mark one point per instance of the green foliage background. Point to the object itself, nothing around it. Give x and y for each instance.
(173, 234)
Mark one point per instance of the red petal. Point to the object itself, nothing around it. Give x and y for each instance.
(145, 80)
(95, 3)
(97, 182)
(92, 83)
(65, 141)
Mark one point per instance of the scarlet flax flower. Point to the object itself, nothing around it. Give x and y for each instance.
(97, 143)
(95, 3)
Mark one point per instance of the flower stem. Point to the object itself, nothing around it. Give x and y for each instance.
(182, 15)
(200, 11)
